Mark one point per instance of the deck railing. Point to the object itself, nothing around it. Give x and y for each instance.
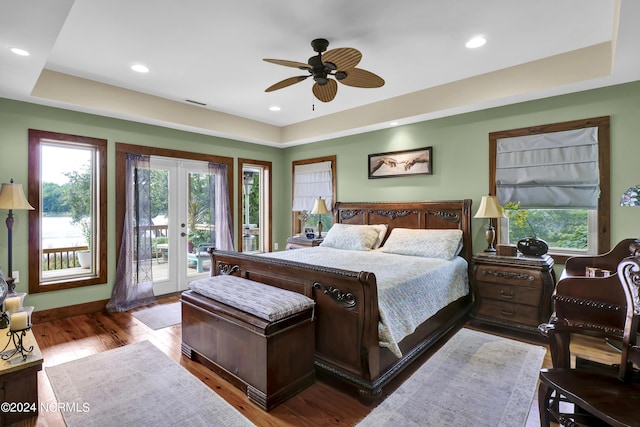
(67, 257)
(61, 258)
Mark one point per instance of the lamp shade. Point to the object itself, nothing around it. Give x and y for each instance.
(319, 207)
(489, 208)
(631, 197)
(12, 197)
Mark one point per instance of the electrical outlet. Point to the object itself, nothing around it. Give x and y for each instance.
(275, 246)
(16, 277)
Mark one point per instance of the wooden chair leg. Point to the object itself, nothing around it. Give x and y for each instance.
(544, 398)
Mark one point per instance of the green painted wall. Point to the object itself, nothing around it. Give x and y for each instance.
(460, 162)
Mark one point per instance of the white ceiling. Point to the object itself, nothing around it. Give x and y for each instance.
(211, 52)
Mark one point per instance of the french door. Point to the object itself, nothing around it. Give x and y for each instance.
(182, 222)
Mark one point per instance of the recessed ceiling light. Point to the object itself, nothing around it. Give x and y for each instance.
(475, 42)
(274, 108)
(139, 68)
(19, 51)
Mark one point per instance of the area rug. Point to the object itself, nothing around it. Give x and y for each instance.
(137, 385)
(475, 379)
(160, 316)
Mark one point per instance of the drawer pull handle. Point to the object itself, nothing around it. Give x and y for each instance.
(508, 313)
(507, 295)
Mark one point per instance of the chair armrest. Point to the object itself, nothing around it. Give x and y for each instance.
(576, 266)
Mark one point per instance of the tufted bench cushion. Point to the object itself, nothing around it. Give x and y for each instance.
(263, 301)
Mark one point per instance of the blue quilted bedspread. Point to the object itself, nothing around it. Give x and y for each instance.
(410, 289)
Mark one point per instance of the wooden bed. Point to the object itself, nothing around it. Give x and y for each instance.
(346, 325)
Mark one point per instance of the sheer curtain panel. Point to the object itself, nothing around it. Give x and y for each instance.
(221, 207)
(133, 286)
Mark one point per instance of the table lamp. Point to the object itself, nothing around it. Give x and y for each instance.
(319, 208)
(12, 198)
(490, 208)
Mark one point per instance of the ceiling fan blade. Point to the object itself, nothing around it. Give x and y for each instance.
(343, 58)
(286, 82)
(325, 93)
(286, 63)
(358, 77)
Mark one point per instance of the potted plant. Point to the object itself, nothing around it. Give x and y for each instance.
(84, 256)
(530, 246)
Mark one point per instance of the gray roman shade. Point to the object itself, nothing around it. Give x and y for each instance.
(549, 170)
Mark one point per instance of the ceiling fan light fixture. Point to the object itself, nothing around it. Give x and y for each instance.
(334, 65)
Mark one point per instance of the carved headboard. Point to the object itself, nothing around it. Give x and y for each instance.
(446, 214)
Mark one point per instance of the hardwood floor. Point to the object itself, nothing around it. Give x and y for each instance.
(322, 404)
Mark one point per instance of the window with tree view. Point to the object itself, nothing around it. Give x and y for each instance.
(553, 183)
(68, 226)
(561, 229)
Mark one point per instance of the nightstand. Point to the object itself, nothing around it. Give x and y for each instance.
(19, 381)
(297, 242)
(513, 291)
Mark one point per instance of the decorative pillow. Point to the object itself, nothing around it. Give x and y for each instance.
(351, 237)
(382, 232)
(443, 244)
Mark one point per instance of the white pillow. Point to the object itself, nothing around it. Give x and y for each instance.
(382, 232)
(351, 237)
(443, 244)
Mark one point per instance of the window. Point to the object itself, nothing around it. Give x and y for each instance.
(559, 175)
(68, 227)
(313, 178)
(254, 206)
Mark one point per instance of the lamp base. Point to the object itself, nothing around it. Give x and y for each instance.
(11, 285)
(319, 229)
(491, 235)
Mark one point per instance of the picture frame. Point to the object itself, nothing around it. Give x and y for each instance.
(417, 161)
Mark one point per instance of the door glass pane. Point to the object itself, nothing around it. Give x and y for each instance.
(251, 209)
(200, 218)
(160, 227)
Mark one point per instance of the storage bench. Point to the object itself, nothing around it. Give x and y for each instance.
(258, 337)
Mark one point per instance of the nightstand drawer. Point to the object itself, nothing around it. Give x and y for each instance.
(512, 294)
(508, 275)
(508, 312)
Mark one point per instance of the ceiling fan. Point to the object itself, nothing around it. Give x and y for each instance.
(339, 63)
